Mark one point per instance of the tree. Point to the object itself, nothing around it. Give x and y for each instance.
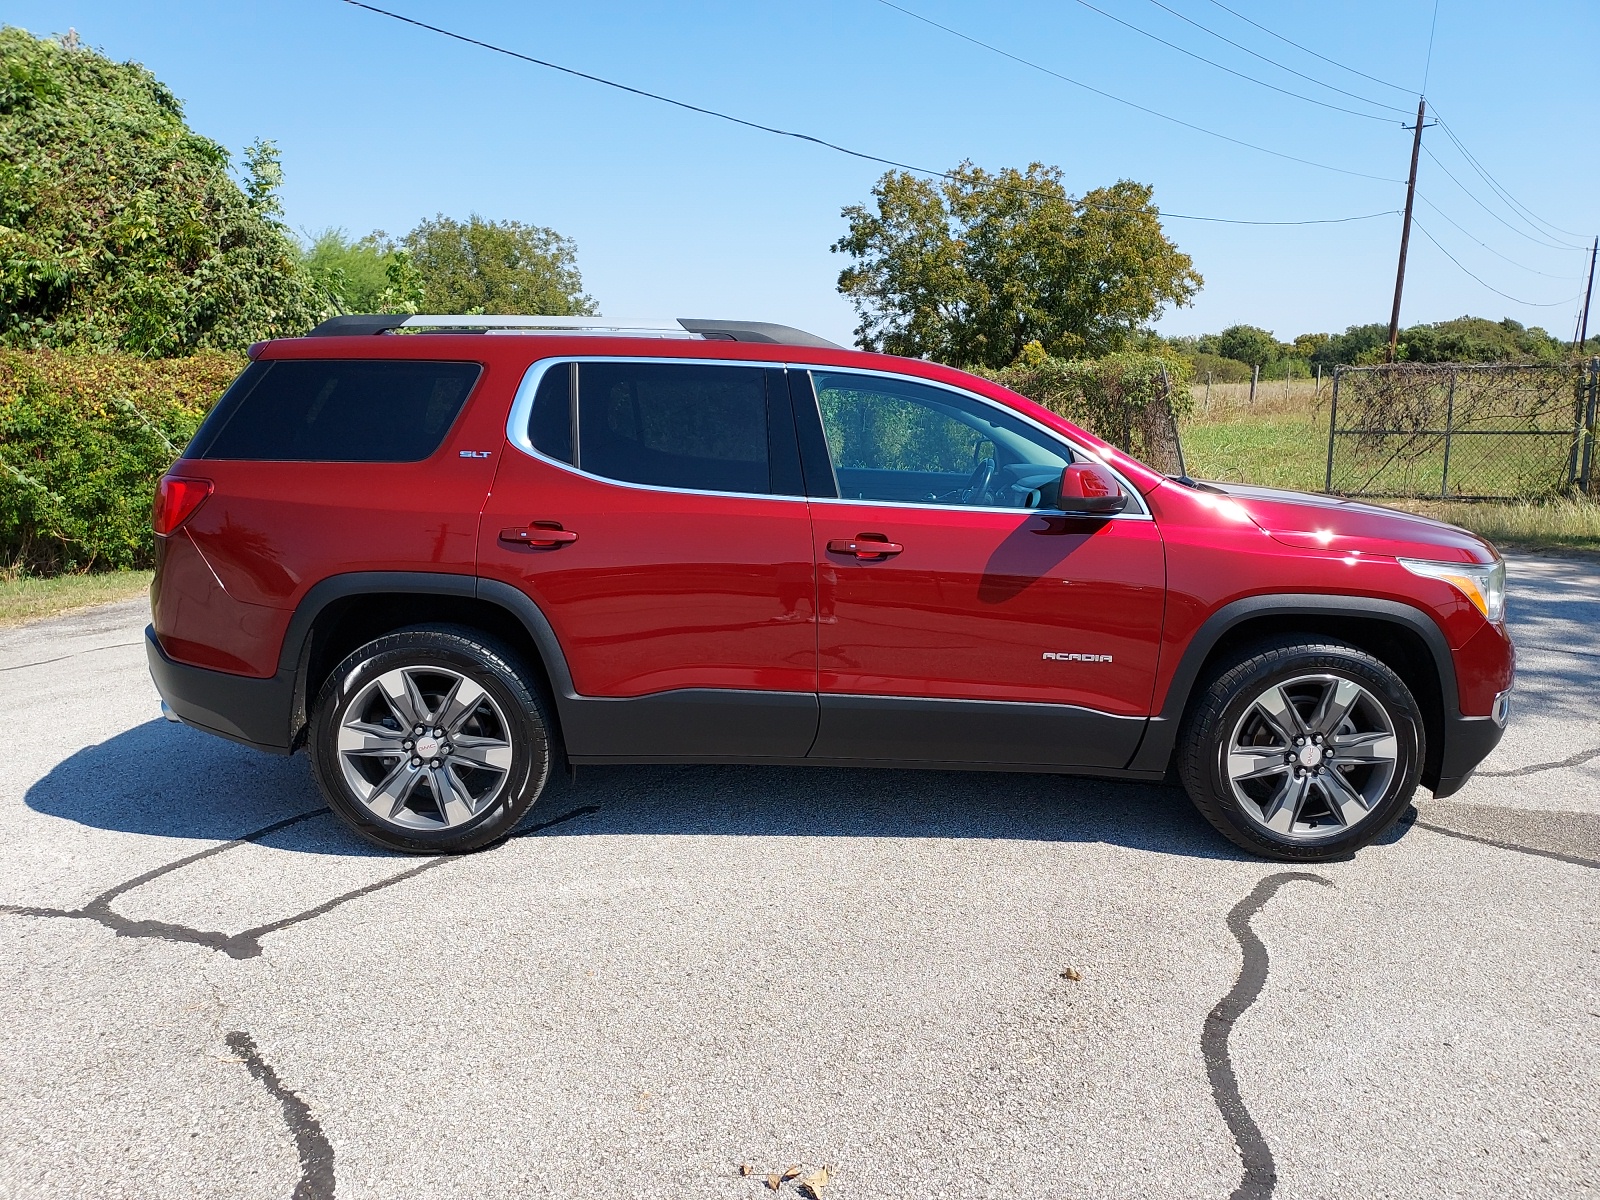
(970, 269)
(484, 266)
(373, 275)
(1250, 345)
(120, 227)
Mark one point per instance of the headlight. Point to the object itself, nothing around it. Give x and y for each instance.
(1485, 586)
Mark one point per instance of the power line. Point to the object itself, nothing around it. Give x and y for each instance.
(1307, 49)
(1274, 62)
(861, 154)
(993, 49)
(1468, 233)
(1427, 65)
(1388, 212)
(1490, 286)
(1237, 74)
(1471, 195)
(1449, 132)
(1502, 192)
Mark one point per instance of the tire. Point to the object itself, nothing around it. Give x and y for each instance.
(1340, 786)
(481, 761)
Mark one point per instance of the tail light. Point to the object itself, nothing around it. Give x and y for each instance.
(176, 501)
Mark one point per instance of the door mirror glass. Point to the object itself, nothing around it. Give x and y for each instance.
(1087, 487)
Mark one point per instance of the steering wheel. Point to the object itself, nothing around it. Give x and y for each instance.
(977, 489)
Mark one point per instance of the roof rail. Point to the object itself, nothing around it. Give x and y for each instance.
(682, 327)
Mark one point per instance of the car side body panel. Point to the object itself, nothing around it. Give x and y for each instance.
(684, 626)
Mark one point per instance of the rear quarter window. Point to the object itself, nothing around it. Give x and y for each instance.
(336, 410)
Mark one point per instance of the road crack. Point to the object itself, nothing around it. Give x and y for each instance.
(44, 662)
(1260, 1172)
(316, 1153)
(246, 944)
(1575, 760)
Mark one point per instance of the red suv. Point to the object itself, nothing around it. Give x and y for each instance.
(448, 563)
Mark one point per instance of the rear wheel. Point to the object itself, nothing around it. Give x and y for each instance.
(430, 740)
(1303, 751)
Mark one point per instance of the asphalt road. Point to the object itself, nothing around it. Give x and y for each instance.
(208, 989)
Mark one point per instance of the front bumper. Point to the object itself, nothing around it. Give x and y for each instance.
(237, 707)
(1467, 742)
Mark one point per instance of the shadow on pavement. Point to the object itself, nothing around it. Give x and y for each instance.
(166, 780)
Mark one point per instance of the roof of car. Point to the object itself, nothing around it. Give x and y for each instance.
(650, 327)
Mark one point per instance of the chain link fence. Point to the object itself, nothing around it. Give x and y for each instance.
(1456, 432)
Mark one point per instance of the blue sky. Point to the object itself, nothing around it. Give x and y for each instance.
(678, 214)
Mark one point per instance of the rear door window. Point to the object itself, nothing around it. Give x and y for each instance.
(336, 410)
(704, 427)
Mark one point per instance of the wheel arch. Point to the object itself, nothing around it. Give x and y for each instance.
(1402, 637)
(345, 611)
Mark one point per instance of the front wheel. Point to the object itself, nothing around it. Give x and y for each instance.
(1303, 750)
(430, 741)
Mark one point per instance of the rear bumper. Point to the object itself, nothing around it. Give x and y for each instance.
(237, 707)
(1467, 742)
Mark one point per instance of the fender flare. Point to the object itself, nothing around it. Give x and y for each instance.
(1161, 735)
(295, 654)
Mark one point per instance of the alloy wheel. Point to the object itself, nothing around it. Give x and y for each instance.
(1311, 757)
(425, 747)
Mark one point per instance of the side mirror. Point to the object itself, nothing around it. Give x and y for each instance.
(1088, 488)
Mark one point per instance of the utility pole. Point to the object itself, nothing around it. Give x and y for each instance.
(1583, 322)
(1405, 232)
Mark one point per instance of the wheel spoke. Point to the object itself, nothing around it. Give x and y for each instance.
(1281, 813)
(490, 754)
(1335, 706)
(1347, 804)
(402, 696)
(1282, 715)
(395, 790)
(460, 704)
(363, 737)
(1256, 762)
(1363, 749)
(454, 803)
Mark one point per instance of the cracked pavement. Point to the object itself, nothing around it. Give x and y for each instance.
(210, 989)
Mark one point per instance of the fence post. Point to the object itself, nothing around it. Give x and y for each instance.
(1449, 430)
(1208, 391)
(1591, 415)
(1255, 374)
(1333, 423)
(1317, 395)
(1172, 421)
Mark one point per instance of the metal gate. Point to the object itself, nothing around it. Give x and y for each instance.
(1452, 431)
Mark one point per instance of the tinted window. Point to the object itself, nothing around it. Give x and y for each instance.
(895, 440)
(337, 410)
(674, 425)
(550, 422)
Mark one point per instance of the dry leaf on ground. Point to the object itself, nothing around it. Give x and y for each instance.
(790, 1172)
(1072, 973)
(774, 1182)
(745, 1168)
(813, 1183)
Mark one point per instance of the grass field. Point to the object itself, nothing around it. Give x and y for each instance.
(28, 599)
(1282, 441)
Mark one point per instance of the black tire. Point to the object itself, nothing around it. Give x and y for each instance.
(515, 722)
(1229, 697)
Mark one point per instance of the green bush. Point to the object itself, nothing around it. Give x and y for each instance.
(83, 439)
(120, 227)
(1131, 399)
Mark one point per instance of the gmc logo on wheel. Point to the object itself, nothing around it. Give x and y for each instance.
(1053, 656)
